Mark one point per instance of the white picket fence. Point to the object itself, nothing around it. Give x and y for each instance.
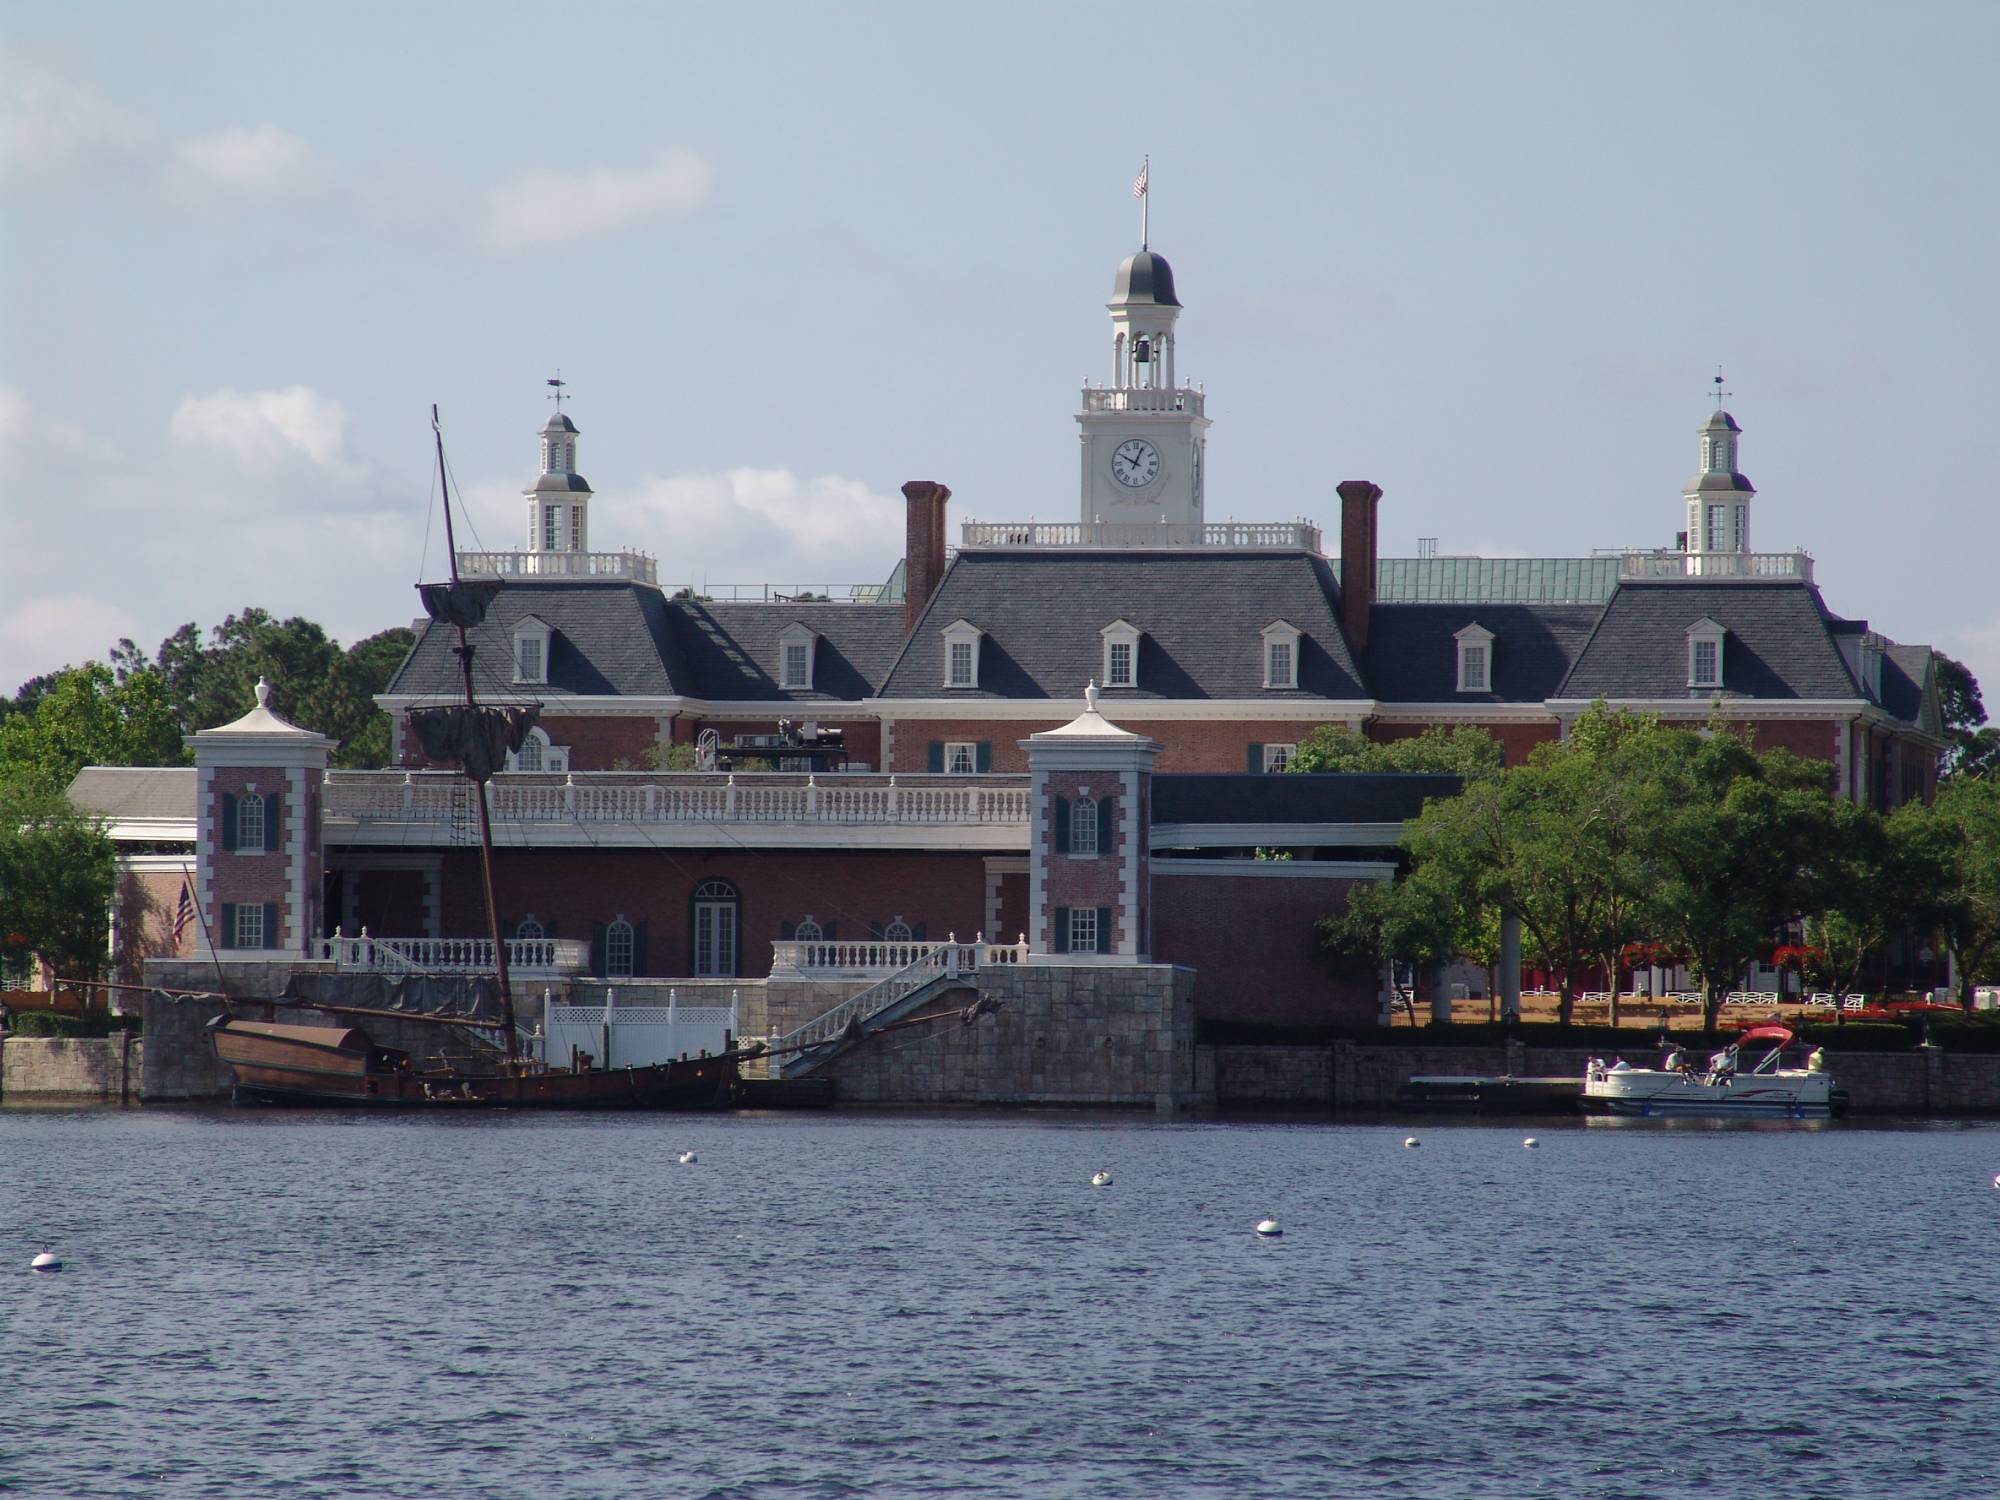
(636, 1036)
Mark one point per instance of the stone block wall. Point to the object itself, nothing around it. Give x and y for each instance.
(55, 1069)
(1078, 1035)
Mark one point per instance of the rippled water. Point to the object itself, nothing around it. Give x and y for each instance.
(325, 1305)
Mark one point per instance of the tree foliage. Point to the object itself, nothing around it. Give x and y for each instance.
(84, 717)
(1466, 751)
(1960, 829)
(1975, 745)
(57, 875)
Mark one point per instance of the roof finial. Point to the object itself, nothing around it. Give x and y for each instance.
(263, 693)
(558, 383)
(1720, 393)
(1090, 696)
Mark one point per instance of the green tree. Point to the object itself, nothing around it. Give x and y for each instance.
(1961, 830)
(57, 875)
(1975, 745)
(1465, 751)
(1739, 844)
(1888, 877)
(85, 717)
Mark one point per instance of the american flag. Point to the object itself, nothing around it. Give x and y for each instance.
(183, 914)
(1139, 182)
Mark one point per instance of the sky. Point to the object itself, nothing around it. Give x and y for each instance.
(1489, 256)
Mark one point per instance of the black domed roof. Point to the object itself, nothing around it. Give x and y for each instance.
(1144, 277)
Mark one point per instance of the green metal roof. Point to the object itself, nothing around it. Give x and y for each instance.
(1495, 580)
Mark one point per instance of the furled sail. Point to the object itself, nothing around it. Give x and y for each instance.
(479, 739)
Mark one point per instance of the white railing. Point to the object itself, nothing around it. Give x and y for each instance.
(636, 1036)
(527, 958)
(1144, 398)
(947, 960)
(784, 593)
(821, 957)
(634, 565)
(682, 797)
(1241, 534)
(1670, 564)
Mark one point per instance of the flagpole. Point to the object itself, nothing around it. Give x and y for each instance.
(1146, 203)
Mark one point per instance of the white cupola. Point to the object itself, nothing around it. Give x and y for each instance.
(1144, 435)
(559, 500)
(1717, 499)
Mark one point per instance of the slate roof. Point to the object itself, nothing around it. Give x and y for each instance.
(1904, 670)
(1778, 643)
(135, 791)
(1391, 797)
(1413, 658)
(609, 638)
(1201, 613)
(732, 650)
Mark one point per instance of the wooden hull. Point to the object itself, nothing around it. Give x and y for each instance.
(289, 1065)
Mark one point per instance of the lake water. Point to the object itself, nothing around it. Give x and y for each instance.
(858, 1305)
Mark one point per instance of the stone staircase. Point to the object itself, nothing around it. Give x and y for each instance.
(947, 965)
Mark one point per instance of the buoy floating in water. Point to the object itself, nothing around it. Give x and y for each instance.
(1100, 1179)
(45, 1262)
(1530, 1143)
(1269, 1228)
(1410, 1143)
(688, 1158)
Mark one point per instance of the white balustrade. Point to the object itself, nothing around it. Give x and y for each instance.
(601, 797)
(1144, 398)
(1672, 564)
(1218, 534)
(634, 565)
(526, 957)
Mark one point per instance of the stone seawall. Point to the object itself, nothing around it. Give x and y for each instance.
(54, 1069)
(1059, 1035)
(1361, 1077)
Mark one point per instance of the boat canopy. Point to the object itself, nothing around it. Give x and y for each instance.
(1778, 1036)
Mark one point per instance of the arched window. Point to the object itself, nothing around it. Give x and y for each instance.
(898, 931)
(618, 950)
(530, 930)
(714, 928)
(250, 821)
(808, 931)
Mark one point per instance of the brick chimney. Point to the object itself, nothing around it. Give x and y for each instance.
(923, 546)
(1357, 557)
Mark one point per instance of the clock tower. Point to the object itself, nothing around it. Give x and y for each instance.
(1144, 435)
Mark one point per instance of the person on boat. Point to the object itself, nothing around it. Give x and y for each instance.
(1816, 1060)
(1721, 1065)
(1621, 1066)
(1675, 1061)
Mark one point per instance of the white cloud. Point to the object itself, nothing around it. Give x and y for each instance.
(253, 159)
(756, 526)
(261, 429)
(52, 126)
(553, 208)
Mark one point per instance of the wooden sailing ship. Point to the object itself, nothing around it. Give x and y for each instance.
(291, 1064)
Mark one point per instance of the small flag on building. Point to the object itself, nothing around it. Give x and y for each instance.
(183, 914)
(1139, 182)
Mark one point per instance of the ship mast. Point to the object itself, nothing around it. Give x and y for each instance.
(464, 653)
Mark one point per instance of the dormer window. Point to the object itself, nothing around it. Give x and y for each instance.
(1121, 654)
(795, 657)
(1281, 654)
(1704, 639)
(961, 654)
(1475, 659)
(531, 651)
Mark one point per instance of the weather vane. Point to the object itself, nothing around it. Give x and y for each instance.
(1720, 393)
(559, 383)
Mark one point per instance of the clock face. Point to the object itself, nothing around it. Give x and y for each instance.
(1135, 463)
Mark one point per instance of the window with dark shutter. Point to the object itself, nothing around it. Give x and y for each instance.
(1103, 929)
(1254, 759)
(1104, 825)
(1062, 825)
(229, 827)
(935, 762)
(274, 806)
(1059, 930)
